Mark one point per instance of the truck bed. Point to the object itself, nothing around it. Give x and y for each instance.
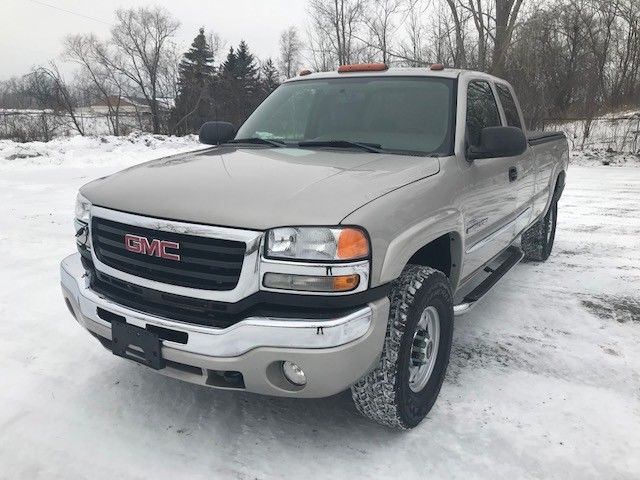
(538, 137)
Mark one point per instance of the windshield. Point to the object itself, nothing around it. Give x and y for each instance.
(401, 114)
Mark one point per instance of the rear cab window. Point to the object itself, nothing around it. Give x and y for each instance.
(509, 106)
(482, 110)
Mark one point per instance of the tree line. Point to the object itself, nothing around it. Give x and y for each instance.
(139, 65)
(230, 92)
(566, 58)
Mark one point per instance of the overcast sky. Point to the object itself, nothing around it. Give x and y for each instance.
(31, 32)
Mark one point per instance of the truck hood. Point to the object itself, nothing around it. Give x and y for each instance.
(258, 188)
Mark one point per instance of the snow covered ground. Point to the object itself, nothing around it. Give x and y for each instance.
(614, 139)
(544, 380)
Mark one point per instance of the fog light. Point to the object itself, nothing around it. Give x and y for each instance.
(294, 373)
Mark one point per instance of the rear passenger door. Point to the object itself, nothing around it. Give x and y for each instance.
(489, 199)
(524, 164)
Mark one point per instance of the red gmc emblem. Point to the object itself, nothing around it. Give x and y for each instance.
(155, 248)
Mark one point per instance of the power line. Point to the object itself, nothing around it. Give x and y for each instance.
(70, 12)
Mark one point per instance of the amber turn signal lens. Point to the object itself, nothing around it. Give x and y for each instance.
(345, 283)
(352, 244)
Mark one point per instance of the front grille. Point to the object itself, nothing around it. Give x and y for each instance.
(205, 263)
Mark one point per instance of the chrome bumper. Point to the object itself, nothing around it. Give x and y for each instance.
(337, 351)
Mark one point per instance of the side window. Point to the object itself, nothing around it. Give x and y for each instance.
(482, 110)
(509, 106)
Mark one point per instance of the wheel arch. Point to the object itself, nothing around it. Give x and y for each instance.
(556, 187)
(559, 185)
(441, 251)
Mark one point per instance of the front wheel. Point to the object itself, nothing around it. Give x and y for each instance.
(404, 386)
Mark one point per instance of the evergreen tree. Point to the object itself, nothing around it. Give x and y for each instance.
(195, 86)
(246, 65)
(239, 87)
(270, 77)
(230, 64)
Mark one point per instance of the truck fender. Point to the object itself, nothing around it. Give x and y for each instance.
(408, 242)
(556, 186)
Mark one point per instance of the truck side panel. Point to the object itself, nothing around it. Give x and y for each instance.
(551, 153)
(492, 199)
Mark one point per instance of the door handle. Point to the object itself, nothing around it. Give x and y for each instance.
(513, 174)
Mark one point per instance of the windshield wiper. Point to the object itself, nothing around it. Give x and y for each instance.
(259, 141)
(369, 147)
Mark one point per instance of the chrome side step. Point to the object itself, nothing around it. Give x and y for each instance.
(515, 254)
(462, 308)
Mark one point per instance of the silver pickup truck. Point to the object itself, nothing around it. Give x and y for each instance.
(327, 243)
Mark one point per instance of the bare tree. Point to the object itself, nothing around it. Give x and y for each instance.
(93, 58)
(507, 12)
(41, 88)
(413, 46)
(439, 38)
(290, 50)
(336, 23)
(598, 18)
(627, 53)
(62, 92)
(481, 15)
(321, 56)
(459, 57)
(14, 93)
(142, 42)
(380, 21)
(494, 22)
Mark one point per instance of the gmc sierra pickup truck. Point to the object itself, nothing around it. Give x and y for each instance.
(327, 243)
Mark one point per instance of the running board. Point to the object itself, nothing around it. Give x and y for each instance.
(513, 258)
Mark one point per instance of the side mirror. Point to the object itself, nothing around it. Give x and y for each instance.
(215, 133)
(498, 142)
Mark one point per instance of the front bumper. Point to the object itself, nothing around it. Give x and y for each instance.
(333, 352)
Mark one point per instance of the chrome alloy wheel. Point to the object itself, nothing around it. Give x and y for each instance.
(424, 349)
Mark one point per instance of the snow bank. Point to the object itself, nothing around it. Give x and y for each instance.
(591, 157)
(121, 152)
(88, 150)
(614, 139)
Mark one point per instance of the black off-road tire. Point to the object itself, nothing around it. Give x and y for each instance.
(537, 242)
(384, 395)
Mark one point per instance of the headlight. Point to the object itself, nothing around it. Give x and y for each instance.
(83, 209)
(317, 244)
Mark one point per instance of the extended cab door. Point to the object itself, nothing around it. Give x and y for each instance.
(489, 200)
(525, 164)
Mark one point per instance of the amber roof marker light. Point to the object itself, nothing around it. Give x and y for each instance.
(437, 66)
(363, 67)
(304, 73)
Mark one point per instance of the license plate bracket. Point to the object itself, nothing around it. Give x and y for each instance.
(124, 336)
